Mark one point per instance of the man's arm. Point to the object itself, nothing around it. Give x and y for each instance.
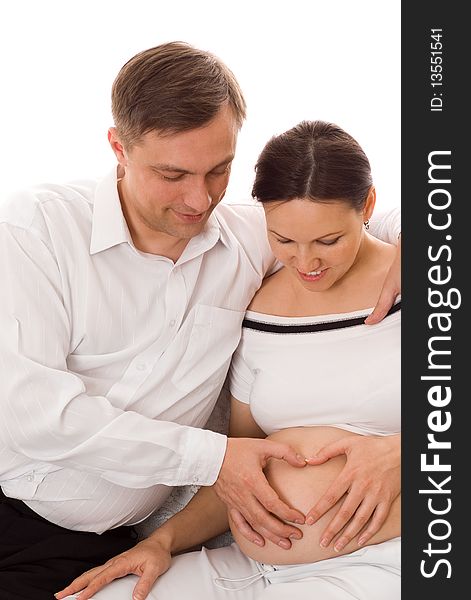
(204, 517)
(254, 506)
(387, 227)
(47, 414)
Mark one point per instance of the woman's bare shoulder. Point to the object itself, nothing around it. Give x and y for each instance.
(272, 295)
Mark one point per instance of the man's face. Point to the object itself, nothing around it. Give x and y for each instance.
(172, 183)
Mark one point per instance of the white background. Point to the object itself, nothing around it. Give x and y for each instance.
(303, 59)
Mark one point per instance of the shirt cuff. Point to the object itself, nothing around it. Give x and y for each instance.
(203, 457)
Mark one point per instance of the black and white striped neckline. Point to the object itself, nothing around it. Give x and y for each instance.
(316, 324)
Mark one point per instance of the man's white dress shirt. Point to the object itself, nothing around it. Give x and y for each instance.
(112, 359)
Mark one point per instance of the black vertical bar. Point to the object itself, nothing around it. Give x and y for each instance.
(435, 395)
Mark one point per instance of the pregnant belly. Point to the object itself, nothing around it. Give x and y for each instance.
(301, 488)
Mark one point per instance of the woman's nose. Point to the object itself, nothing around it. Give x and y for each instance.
(306, 263)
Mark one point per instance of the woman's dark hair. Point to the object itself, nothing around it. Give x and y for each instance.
(314, 160)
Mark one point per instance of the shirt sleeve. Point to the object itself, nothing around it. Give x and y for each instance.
(46, 414)
(241, 377)
(386, 226)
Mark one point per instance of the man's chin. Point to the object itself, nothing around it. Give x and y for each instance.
(187, 230)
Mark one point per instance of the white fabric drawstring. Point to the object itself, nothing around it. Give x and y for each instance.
(218, 581)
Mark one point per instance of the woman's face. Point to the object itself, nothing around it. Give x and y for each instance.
(317, 242)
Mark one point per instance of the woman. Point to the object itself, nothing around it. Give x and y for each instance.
(307, 372)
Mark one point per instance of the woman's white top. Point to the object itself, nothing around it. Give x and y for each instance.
(325, 370)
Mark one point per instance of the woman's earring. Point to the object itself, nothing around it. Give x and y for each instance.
(367, 224)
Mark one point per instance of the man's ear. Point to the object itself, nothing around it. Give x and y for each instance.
(117, 146)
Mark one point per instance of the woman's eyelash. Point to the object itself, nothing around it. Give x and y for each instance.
(329, 242)
(323, 242)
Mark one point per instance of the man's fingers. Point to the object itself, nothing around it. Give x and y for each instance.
(245, 529)
(329, 451)
(79, 583)
(285, 452)
(385, 301)
(391, 288)
(274, 530)
(145, 583)
(104, 578)
(273, 504)
(268, 526)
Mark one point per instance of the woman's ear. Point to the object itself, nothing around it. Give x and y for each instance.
(369, 204)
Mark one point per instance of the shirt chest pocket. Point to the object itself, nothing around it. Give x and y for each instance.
(210, 343)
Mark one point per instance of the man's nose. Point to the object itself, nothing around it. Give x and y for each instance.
(197, 197)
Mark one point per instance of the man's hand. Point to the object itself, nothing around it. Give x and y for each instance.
(253, 505)
(371, 479)
(148, 559)
(391, 288)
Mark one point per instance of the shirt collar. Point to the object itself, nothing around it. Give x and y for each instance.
(109, 227)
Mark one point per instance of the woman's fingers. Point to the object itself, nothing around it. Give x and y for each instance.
(329, 499)
(362, 515)
(374, 525)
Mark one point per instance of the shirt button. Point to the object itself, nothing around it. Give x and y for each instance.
(30, 477)
(172, 323)
(141, 366)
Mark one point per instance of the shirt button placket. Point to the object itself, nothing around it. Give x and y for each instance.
(176, 298)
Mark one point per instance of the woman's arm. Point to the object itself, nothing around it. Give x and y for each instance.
(242, 423)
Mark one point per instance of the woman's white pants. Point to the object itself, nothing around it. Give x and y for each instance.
(371, 573)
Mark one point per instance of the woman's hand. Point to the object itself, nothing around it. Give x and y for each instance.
(148, 560)
(371, 480)
(390, 290)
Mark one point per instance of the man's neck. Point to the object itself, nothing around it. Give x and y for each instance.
(154, 242)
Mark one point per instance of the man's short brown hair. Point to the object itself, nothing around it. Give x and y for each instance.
(172, 88)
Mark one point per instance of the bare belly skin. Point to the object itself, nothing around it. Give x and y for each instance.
(301, 488)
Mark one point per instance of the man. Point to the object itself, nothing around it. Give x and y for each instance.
(123, 305)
